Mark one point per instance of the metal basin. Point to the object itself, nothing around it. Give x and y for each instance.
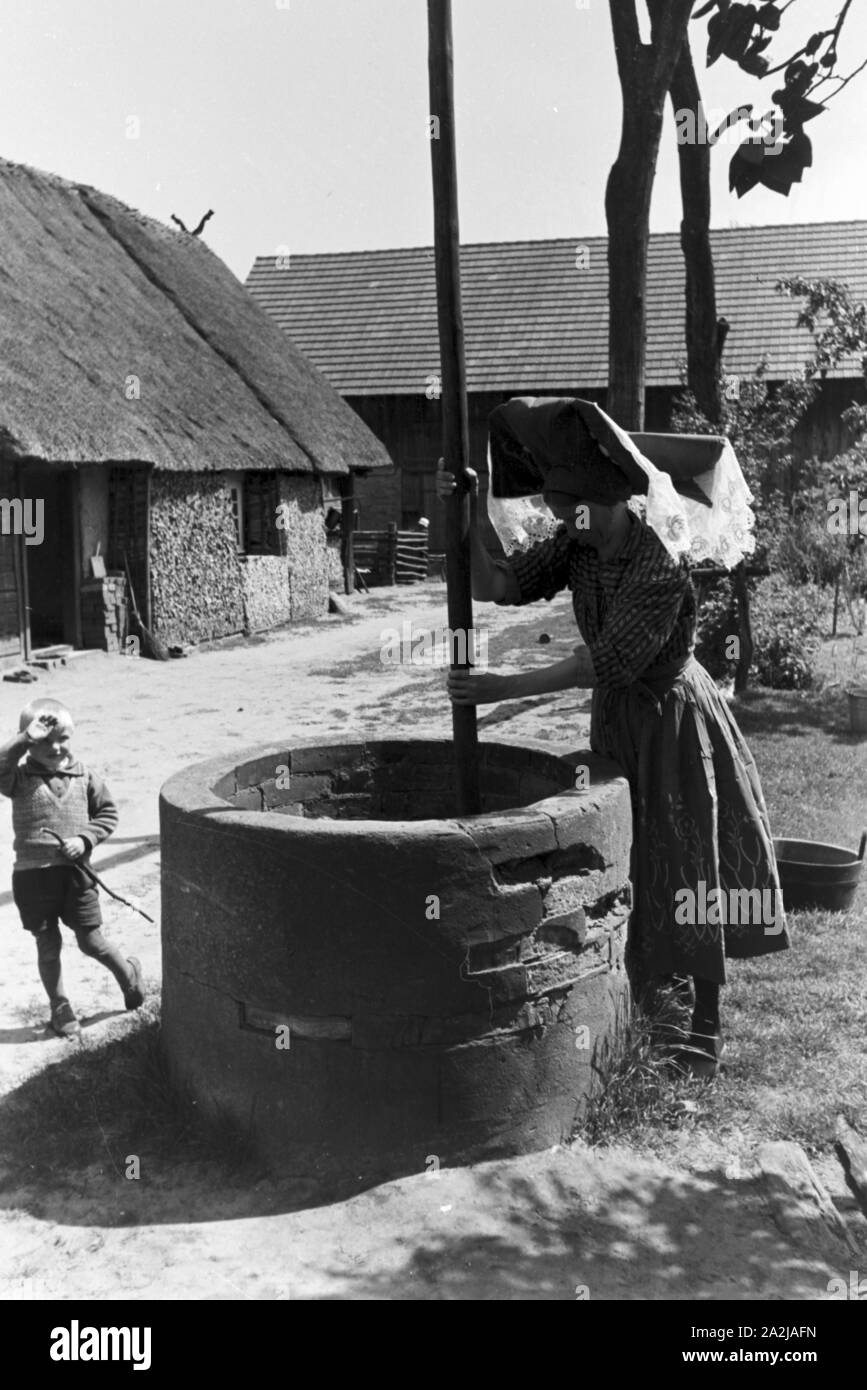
(813, 874)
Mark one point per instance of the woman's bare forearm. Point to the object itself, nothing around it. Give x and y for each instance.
(576, 670)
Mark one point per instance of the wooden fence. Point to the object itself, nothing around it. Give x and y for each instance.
(391, 556)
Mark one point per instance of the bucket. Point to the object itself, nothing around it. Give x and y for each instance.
(858, 709)
(813, 874)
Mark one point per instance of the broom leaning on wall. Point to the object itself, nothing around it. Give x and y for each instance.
(151, 646)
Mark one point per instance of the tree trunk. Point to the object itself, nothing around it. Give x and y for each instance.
(702, 345)
(836, 606)
(627, 210)
(645, 72)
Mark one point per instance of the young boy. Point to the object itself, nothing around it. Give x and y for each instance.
(51, 791)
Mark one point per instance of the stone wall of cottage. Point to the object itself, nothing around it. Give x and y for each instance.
(267, 595)
(202, 588)
(307, 549)
(197, 590)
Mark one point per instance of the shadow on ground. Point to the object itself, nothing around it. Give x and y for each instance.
(573, 1227)
(559, 1224)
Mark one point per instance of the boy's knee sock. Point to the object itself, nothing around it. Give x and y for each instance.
(49, 944)
(94, 944)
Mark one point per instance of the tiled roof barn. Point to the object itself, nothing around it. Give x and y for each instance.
(536, 322)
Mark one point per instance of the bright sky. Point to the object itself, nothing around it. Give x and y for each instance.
(303, 123)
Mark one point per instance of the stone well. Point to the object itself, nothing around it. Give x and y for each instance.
(366, 981)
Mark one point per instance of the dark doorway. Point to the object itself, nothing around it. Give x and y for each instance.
(10, 572)
(51, 572)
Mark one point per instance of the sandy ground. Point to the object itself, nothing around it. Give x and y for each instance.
(559, 1225)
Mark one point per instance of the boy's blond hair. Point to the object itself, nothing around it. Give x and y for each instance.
(36, 707)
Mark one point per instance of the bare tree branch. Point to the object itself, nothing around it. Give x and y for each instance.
(843, 81)
(627, 35)
(668, 21)
(196, 230)
(825, 33)
(200, 228)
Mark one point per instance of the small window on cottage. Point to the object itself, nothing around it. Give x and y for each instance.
(237, 496)
(261, 500)
(234, 484)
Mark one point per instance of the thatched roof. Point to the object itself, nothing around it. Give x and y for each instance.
(92, 293)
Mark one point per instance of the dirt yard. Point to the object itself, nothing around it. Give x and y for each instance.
(560, 1225)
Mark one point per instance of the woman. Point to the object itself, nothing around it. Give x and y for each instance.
(701, 829)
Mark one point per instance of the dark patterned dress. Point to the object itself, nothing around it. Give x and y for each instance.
(700, 821)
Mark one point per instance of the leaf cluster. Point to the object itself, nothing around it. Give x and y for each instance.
(777, 151)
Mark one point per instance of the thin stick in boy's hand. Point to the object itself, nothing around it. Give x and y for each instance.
(94, 878)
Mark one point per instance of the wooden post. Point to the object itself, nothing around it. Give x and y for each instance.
(73, 496)
(456, 450)
(745, 657)
(347, 526)
(391, 553)
(148, 589)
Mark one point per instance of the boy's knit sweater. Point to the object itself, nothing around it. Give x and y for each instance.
(71, 801)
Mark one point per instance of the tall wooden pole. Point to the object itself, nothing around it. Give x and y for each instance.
(456, 451)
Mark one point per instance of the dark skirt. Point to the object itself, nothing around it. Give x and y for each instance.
(704, 873)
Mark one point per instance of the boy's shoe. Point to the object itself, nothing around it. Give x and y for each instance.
(133, 995)
(63, 1021)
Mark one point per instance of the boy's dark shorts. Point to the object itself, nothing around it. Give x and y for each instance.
(61, 891)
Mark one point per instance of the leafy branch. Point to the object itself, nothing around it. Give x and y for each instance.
(774, 155)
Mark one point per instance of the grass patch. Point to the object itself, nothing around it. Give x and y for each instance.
(796, 1022)
(795, 1025)
(640, 1097)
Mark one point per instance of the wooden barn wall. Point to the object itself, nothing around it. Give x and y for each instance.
(409, 427)
(196, 584)
(823, 434)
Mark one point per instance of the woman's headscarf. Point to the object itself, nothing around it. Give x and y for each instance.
(697, 499)
(529, 436)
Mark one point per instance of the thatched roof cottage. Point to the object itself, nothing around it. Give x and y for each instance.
(157, 413)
